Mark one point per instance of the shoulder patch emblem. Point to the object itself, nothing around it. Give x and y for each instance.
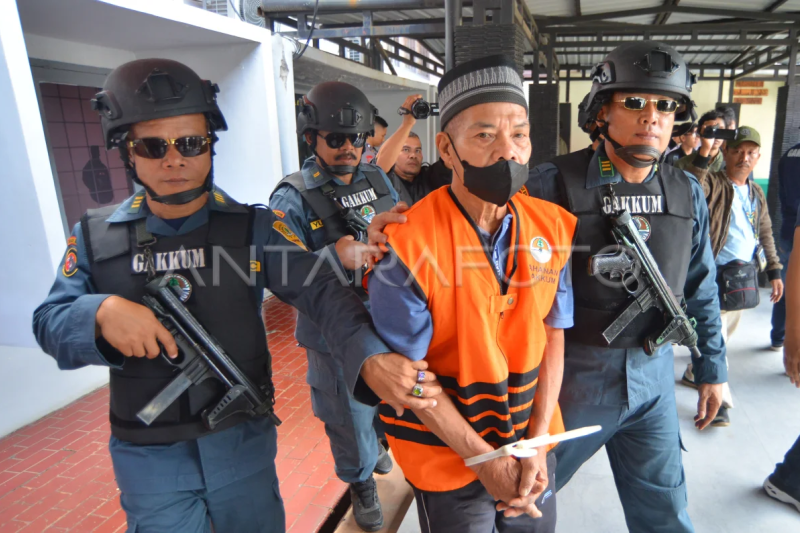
(316, 224)
(278, 213)
(643, 225)
(288, 234)
(70, 265)
(72, 241)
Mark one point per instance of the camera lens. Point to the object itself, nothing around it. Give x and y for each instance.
(421, 109)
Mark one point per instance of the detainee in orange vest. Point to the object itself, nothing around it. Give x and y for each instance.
(475, 283)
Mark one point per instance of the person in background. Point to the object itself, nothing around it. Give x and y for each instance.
(739, 226)
(784, 482)
(708, 120)
(401, 158)
(789, 195)
(687, 135)
(375, 141)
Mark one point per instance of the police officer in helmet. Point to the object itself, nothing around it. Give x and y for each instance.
(637, 93)
(176, 474)
(320, 203)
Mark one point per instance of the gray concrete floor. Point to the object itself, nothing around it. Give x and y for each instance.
(725, 467)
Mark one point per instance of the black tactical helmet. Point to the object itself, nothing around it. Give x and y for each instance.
(148, 89)
(584, 120)
(646, 66)
(336, 107)
(641, 66)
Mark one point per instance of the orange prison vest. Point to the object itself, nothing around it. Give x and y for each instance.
(487, 345)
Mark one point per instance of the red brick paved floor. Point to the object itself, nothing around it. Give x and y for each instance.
(56, 474)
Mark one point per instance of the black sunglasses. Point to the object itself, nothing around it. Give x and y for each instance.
(156, 148)
(637, 103)
(337, 140)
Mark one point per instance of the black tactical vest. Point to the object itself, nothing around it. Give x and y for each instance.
(663, 210)
(223, 302)
(367, 197)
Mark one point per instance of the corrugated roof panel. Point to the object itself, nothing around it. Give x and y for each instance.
(589, 7)
(791, 5)
(759, 5)
(553, 8)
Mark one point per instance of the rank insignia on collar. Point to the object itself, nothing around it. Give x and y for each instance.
(136, 204)
(606, 168)
(70, 265)
(219, 197)
(288, 234)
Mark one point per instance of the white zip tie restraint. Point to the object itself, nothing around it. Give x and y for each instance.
(527, 448)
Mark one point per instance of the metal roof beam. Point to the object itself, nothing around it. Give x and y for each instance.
(662, 18)
(677, 29)
(412, 52)
(739, 13)
(395, 30)
(290, 7)
(578, 8)
(678, 42)
(775, 5)
(430, 49)
(761, 66)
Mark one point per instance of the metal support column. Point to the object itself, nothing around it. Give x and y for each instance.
(721, 84)
(790, 80)
(452, 19)
(732, 84)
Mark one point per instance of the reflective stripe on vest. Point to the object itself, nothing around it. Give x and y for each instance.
(487, 344)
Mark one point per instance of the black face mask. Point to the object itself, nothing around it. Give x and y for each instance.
(496, 183)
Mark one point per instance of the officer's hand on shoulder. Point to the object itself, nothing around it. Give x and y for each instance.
(133, 329)
(352, 253)
(375, 232)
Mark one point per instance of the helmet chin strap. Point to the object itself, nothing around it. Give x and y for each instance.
(180, 198)
(629, 153)
(337, 170)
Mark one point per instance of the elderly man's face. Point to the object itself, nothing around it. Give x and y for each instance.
(485, 134)
(173, 173)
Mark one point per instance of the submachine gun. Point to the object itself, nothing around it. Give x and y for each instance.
(641, 278)
(200, 357)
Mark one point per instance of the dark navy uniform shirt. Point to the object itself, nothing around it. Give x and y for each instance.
(288, 204)
(789, 190)
(64, 326)
(621, 376)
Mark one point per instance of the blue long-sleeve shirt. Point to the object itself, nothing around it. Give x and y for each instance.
(400, 309)
(64, 326)
(606, 375)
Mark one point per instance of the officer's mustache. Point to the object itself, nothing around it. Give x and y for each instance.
(346, 156)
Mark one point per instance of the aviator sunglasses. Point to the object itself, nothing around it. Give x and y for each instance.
(156, 148)
(337, 140)
(637, 103)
